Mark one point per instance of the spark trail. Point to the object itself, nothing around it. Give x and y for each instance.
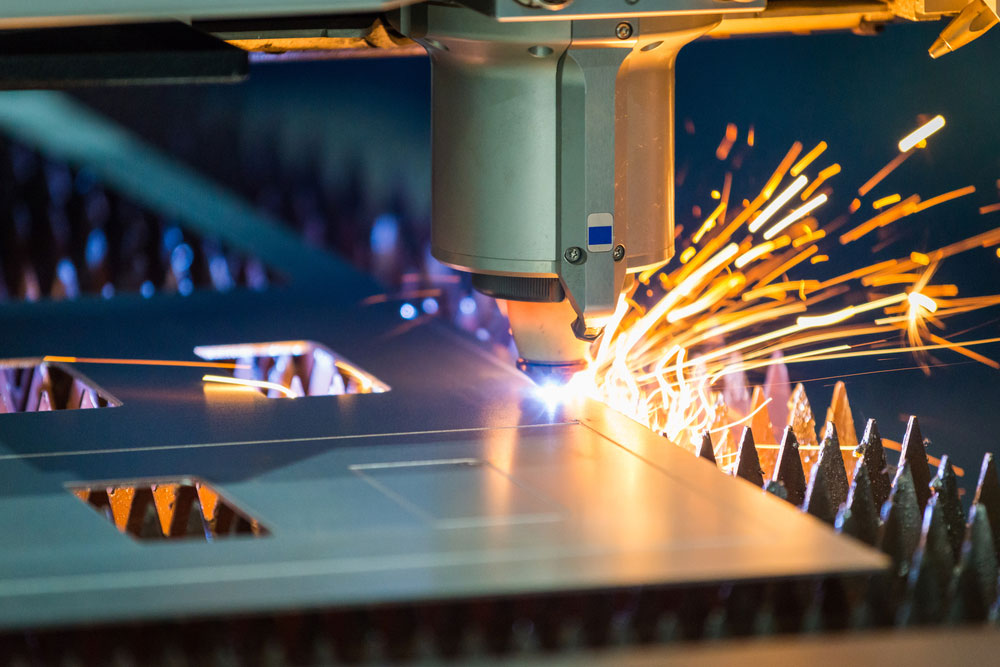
(742, 296)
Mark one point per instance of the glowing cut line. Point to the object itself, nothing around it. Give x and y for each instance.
(797, 214)
(143, 362)
(241, 382)
(921, 133)
(778, 202)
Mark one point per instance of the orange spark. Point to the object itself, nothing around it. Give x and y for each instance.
(722, 152)
(779, 201)
(808, 159)
(947, 196)
(914, 138)
(882, 173)
(885, 201)
(821, 178)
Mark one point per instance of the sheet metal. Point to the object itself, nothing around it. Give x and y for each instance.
(458, 482)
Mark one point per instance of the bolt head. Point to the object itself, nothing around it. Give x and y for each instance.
(623, 30)
(618, 254)
(574, 255)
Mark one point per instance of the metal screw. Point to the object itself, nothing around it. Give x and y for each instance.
(574, 255)
(623, 30)
(619, 253)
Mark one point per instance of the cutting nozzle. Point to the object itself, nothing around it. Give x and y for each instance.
(977, 17)
(546, 374)
(544, 337)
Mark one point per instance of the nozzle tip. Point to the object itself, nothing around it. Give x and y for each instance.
(939, 48)
(545, 373)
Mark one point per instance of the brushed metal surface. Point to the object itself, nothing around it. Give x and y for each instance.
(458, 482)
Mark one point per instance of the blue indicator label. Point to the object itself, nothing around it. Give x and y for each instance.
(600, 232)
(599, 236)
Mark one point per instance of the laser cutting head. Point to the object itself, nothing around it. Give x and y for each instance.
(553, 163)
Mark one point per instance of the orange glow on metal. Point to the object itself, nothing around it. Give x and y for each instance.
(911, 140)
(253, 384)
(143, 362)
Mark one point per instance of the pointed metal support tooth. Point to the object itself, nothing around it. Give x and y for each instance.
(788, 469)
(988, 495)
(88, 401)
(873, 454)
(184, 501)
(839, 414)
(196, 525)
(831, 467)
(901, 522)
(800, 417)
(776, 488)
(121, 498)
(77, 390)
(931, 571)
(747, 462)
(149, 526)
(142, 499)
(859, 517)
(706, 449)
(165, 496)
(915, 454)
(974, 586)
(39, 380)
(818, 501)
(945, 487)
